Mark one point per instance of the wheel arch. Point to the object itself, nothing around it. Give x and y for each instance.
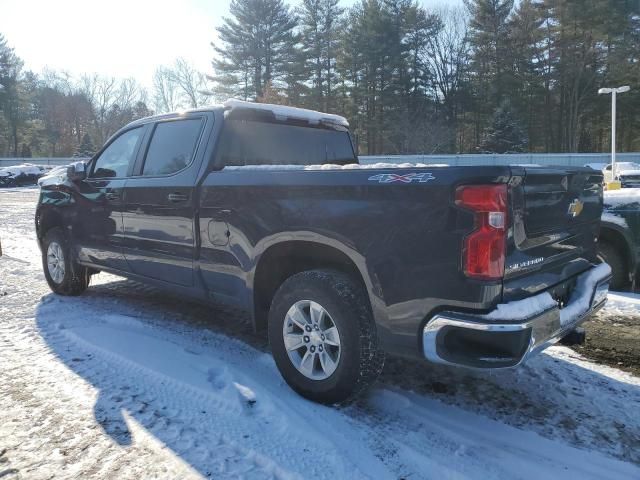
(46, 219)
(286, 258)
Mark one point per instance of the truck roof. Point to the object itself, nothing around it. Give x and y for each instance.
(281, 112)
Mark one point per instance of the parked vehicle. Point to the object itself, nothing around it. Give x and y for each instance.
(627, 173)
(20, 175)
(266, 208)
(619, 243)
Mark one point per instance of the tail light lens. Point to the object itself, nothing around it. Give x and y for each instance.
(484, 248)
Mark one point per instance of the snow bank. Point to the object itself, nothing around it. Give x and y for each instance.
(614, 198)
(283, 113)
(330, 166)
(24, 169)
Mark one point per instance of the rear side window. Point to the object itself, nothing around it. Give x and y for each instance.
(114, 161)
(246, 142)
(172, 146)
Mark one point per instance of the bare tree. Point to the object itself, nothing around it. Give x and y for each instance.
(165, 94)
(447, 55)
(179, 86)
(113, 101)
(192, 84)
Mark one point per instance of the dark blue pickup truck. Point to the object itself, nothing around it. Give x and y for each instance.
(266, 208)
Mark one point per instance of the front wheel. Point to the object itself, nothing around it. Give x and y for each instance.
(323, 337)
(63, 274)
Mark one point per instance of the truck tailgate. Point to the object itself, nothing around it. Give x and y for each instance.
(556, 217)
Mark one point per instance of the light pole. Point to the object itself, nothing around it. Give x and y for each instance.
(613, 92)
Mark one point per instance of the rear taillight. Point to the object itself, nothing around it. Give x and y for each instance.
(484, 248)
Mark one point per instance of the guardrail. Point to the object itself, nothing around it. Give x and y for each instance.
(565, 159)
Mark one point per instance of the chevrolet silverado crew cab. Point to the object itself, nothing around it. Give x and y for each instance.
(267, 208)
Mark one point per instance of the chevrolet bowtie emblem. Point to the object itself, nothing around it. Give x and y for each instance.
(575, 208)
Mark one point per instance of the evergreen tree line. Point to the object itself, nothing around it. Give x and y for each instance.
(489, 76)
(486, 76)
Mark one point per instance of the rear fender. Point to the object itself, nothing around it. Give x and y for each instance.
(368, 278)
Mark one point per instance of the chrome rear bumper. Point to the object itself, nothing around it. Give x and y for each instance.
(512, 332)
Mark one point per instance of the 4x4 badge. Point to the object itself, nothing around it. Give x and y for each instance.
(575, 208)
(407, 178)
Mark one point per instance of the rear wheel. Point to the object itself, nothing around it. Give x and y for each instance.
(63, 274)
(323, 337)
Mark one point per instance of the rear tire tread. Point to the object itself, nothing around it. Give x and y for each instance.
(354, 307)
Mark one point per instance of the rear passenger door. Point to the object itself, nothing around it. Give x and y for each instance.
(159, 212)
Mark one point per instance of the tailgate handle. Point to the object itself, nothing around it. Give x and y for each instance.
(177, 197)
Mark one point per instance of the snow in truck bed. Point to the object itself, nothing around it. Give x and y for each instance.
(331, 166)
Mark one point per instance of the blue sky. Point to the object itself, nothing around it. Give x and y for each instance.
(123, 38)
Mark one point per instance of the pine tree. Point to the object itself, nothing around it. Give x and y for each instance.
(490, 64)
(531, 75)
(11, 101)
(258, 45)
(504, 135)
(86, 148)
(320, 21)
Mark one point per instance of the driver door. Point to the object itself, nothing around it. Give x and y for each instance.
(99, 230)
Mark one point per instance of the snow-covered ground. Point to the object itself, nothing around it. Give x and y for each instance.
(127, 382)
(622, 196)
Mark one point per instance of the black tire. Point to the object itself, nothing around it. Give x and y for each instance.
(76, 277)
(619, 271)
(360, 361)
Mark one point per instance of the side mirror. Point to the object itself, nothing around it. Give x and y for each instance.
(77, 171)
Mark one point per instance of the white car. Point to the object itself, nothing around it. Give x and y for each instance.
(628, 173)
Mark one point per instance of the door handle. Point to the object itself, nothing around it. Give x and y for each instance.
(112, 196)
(177, 197)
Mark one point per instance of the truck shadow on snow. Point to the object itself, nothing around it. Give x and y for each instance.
(555, 395)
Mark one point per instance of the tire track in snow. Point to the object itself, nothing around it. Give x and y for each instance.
(49, 434)
(264, 433)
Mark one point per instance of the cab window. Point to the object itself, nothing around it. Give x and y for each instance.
(114, 161)
(172, 146)
(246, 142)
